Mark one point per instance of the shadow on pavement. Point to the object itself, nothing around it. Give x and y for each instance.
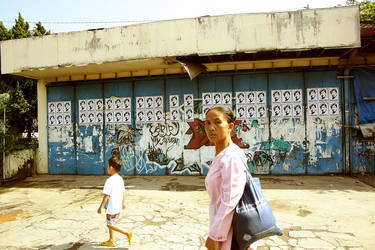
(81, 245)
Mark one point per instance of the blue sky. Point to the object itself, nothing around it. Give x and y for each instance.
(49, 12)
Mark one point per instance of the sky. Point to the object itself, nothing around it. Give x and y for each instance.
(73, 15)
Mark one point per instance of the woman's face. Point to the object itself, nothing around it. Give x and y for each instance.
(217, 127)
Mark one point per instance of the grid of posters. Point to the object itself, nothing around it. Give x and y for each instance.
(59, 113)
(251, 105)
(210, 99)
(174, 109)
(189, 107)
(149, 109)
(287, 103)
(90, 111)
(117, 110)
(323, 101)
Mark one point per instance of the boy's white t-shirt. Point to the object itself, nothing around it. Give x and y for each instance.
(115, 188)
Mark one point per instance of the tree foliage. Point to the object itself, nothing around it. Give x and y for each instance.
(367, 9)
(19, 95)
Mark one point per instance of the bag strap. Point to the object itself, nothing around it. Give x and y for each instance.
(247, 168)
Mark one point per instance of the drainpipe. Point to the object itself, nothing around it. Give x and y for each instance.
(4, 143)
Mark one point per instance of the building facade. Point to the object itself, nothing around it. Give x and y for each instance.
(287, 75)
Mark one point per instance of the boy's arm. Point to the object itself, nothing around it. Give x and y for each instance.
(104, 201)
(123, 201)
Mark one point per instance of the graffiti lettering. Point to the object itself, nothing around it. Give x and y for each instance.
(162, 130)
(259, 161)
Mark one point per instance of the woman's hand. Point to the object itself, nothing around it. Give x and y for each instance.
(212, 244)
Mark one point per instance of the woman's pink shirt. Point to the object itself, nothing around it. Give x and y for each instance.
(225, 183)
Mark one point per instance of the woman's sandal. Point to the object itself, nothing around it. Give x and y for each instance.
(108, 244)
(130, 238)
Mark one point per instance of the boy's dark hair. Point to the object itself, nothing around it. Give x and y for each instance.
(115, 161)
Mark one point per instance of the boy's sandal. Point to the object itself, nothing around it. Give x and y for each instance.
(131, 238)
(108, 244)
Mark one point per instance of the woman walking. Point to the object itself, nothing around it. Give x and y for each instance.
(225, 181)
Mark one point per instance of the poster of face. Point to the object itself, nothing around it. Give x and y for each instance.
(323, 94)
(323, 108)
(127, 101)
(312, 94)
(118, 104)
(51, 107)
(189, 114)
(216, 97)
(150, 115)
(240, 98)
(140, 102)
(67, 107)
(82, 105)
(174, 101)
(334, 108)
(205, 109)
(127, 117)
(99, 104)
(158, 102)
(149, 102)
(109, 117)
(262, 112)
(250, 97)
(240, 112)
(227, 98)
(297, 110)
(313, 109)
(67, 119)
(297, 95)
(90, 105)
(117, 116)
(159, 115)
(91, 117)
(286, 95)
(109, 104)
(206, 98)
(83, 118)
(59, 119)
(140, 116)
(276, 96)
(251, 112)
(287, 110)
(333, 94)
(99, 117)
(261, 97)
(188, 100)
(175, 114)
(60, 107)
(276, 110)
(52, 120)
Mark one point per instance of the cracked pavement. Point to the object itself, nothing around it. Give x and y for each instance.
(171, 212)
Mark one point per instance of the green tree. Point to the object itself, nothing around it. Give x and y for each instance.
(21, 93)
(21, 29)
(367, 9)
(39, 30)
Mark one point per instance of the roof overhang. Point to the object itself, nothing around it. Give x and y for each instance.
(151, 48)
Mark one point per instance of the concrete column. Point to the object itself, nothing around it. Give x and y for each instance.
(42, 154)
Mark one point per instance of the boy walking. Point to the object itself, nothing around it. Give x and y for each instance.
(114, 199)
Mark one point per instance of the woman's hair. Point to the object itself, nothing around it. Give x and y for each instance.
(226, 111)
(115, 161)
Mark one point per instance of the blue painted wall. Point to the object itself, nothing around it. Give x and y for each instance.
(306, 145)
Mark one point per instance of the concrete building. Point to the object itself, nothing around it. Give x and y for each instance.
(128, 88)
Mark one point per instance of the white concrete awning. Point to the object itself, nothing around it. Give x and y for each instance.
(144, 47)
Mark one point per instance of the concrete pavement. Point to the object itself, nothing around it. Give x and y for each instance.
(170, 212)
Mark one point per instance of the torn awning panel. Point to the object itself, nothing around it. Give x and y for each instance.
(364, 86)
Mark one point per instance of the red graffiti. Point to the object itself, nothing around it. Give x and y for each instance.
(200, 138)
